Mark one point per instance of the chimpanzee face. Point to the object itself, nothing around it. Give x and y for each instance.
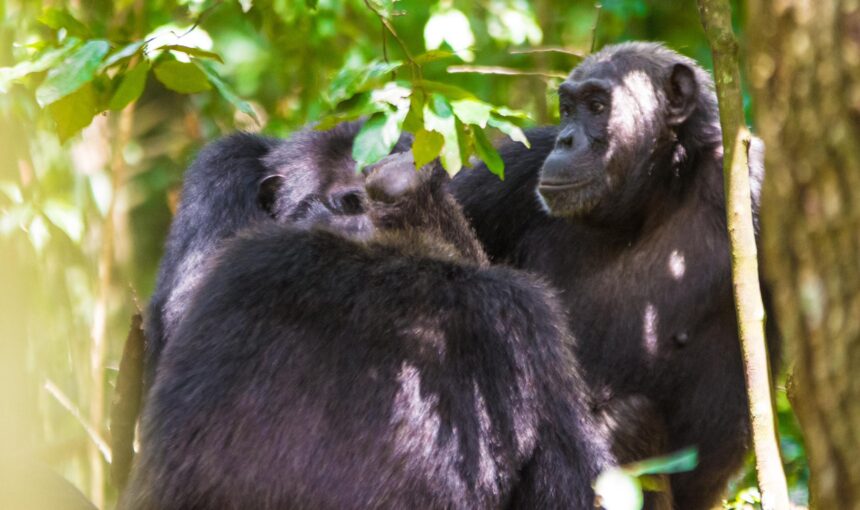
(318, 194)
(616, 115)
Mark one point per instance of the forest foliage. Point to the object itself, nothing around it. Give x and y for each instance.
(103, 104)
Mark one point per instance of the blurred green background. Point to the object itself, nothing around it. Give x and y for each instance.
(98, 120)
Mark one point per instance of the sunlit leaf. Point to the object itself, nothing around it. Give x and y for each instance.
(246, 5)
(618, 490)
(414, 121)
(504, 111)
(351, 80)
(127, 51)
(74, 112)
(439, 117)
(472, 111)
(684, 460)
(450, 26)
(452, 92)
(513, 24)
(426, 146)
(509, 128)
(433, 56)
(14, 218)
(376, 138)
(45, 61)
(392, 93)
(65, 217)
(38, 233)
(76, 70)
(101, 189)
(228, 94)
(488, 154)
(195, 52)
(131, 87)
(185, 78)
(59, 18)
(12, 191)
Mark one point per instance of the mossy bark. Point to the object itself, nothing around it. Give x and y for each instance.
(805, 75)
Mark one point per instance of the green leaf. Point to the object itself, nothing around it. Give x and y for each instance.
(12, 191)
(439, 117)
(127, 51)
(472, 111)
(13, 219)
(311, 4)
(351, 80)
(684, 460)
(509, 128)
(66, 218)
(376, 139)
(74, 111)
(195, 52)
(414, 121)
(38, 233)
(618, 490)
(58, 18)
(432, 56)
(228, 94)
(185, 78)
(488, 153)
(75, 71)
(449, 91)
(426, 146)
(44, 61)
(131, 87)
(452, 27)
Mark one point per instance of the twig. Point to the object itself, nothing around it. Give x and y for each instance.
(716, 19)
(416, 69)
(125, 406)
(508, 71)
(67, 404)
(594, 28)
(547, 49)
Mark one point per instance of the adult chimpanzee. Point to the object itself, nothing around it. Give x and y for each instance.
(246, 179)
(313, 370)
(622, 208)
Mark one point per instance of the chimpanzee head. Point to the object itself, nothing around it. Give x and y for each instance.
(314, 183)
(623, 111)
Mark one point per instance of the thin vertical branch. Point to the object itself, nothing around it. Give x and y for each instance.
(125, 406)
(716, 19)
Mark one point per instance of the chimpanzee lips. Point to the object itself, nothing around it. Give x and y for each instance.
(562, 185)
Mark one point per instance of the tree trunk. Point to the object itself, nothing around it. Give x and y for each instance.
(805, 73)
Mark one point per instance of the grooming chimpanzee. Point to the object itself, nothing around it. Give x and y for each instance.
(622, 208)
(243, 180)
(315, 370)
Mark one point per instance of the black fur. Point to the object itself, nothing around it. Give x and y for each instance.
(244, 180)
(633, 233)
(318, 371)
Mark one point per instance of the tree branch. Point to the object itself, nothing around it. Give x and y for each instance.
(125, 406)
(716, 19)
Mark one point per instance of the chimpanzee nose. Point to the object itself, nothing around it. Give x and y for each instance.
(565, 140)
(347, 202)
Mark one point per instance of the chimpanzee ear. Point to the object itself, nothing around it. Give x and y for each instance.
(267, 193)
(682, 90)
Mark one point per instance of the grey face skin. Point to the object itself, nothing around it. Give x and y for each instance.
(618, 119)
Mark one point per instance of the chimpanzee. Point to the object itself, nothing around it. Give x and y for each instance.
(622, 208)
(245, 179)
(317, 370)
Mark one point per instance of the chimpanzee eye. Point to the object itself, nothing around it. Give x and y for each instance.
(596, 107)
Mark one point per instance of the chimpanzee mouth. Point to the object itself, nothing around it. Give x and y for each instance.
(562, 185)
